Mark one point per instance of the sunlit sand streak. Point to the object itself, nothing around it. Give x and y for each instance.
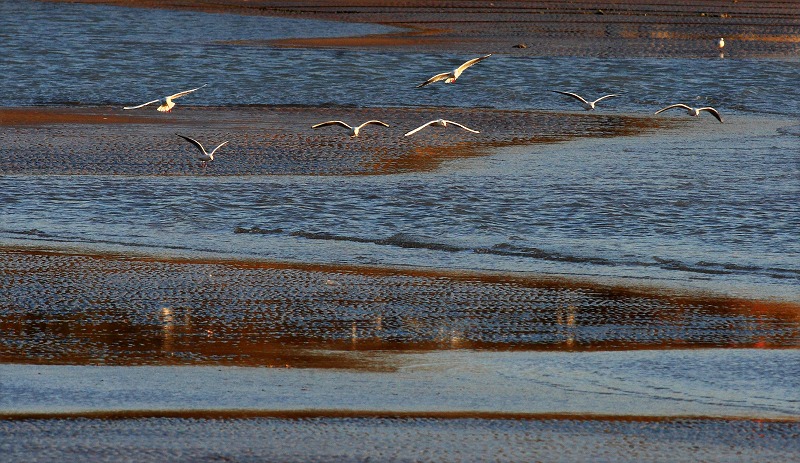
(354, 131)
(693, 111)
(450, 77)
(439, 123)
(204, 156)
(166, 103)
(587, 105)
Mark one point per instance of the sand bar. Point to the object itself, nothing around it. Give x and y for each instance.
(620, 29)
(277, 140)
(62, 308)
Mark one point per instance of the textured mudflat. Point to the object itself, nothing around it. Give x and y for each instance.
(275, 141)
(361, 439)
(620, 29)
(75, 309)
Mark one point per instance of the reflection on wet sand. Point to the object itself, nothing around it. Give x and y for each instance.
(77, 309)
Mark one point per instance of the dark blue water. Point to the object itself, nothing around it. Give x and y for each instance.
(712, 206)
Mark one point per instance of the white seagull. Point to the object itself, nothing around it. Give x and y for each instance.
(439, 123)
(693, 111)
(587, 105)
(166, 103)
(721, 43)
(353, 130)
(450, 77)
(203, 156)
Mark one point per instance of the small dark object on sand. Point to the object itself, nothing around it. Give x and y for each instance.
(521, 45)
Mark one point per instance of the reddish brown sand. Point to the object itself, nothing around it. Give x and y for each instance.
(580, 28)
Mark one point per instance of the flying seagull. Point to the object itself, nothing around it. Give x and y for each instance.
(450, 77)
(693, 111)
(353, 130)
(587, 105)
(203, 156)
(166, 103)
(439, 123)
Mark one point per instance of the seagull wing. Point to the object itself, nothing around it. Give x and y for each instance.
(673, 106)
(462, 126)
(185, 92)
(469, 63)
(323, 124)
(604, 97)
(435, 78)
(420, 128)
(713, 112)
(374, 122)
(573, 95)
(195, 143)
(218, 147)
(141, 105)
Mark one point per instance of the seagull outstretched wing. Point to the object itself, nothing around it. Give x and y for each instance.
(142, 105)
(679, 105)
(326, 123)
(713, 112)
(412, 132)
(462, 126)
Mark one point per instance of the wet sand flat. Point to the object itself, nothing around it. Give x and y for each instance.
(361, 439)
(278, 140)
(62, 308)
(620, 29)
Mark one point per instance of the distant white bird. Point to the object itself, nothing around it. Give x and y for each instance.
(693, 111)
(721, 43)
(166, 103)
(450, 77)
(439, 123)
(353, 130)
(587, 105)
(203, 156)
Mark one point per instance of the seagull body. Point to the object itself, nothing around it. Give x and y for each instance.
(587, 105)
(166, 103)
(450, 77)
(693, 111)
(439, 123)
(721, 43)
(353, 130)
(203, 156)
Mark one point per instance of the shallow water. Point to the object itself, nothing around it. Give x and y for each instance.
(710, 206)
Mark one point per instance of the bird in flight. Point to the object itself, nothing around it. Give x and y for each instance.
(450, 77)
(354, 131)
(587, 105)
(203, 156)
(693, 111)
(166, 103)
(439, 123)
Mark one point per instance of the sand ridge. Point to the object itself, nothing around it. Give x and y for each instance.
(279, 140)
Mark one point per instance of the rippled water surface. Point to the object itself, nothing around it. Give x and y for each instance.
(705, 205)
